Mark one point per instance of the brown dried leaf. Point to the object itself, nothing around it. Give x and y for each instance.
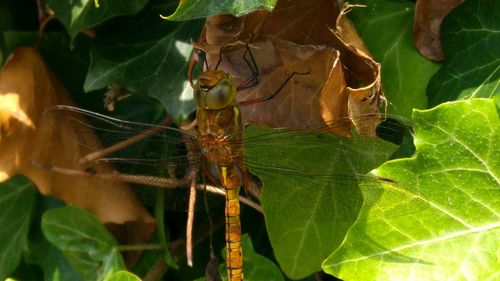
(279, 58)
(364, 90)
(428, 17)
(299, 36)
(27, 88)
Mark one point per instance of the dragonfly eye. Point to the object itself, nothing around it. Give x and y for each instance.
(217, 97)
(214, 90)
(220, 95)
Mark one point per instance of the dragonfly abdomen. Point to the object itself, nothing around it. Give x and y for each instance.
(234, 254)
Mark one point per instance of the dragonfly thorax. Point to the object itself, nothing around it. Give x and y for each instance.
(214, 90)
(216, 149)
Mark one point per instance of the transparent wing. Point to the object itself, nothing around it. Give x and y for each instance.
(316, 166)
(136, 147)
(107, 150)
(304, 163)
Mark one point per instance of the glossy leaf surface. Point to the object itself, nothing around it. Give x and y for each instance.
(124, 276)
(458, 170)
(194, 9)
(470, 40)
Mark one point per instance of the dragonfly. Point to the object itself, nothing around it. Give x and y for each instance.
(214, 150)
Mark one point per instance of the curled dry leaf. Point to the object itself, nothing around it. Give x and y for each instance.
(299, 36)
(428, 17)
(27, 88)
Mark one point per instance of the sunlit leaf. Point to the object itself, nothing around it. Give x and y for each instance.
(191, 9)
(17, 199)
(90, 249)
(457, 236)
(124, 276)
(470, 40)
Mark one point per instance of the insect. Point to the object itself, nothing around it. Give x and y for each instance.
(216, 150)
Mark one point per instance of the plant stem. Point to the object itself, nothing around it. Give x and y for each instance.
(139, 247)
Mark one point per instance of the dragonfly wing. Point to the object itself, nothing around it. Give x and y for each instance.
(315, 184)
(324, 165)
(148, 152)
(93, 133)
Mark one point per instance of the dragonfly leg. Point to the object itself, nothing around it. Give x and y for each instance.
(190, 222)
(220, 56)
(269, 97)
(138, 179)
(195, 58)
(253, 80)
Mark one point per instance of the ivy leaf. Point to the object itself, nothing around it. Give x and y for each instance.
(17, 200)
(123, 275)
(190, 9)
(310, 195)
(82, 14)
(90, 249)
(153, 63)
(54, 264)
(386, 27)
(256, 267)
(457, 236)
(470, 40)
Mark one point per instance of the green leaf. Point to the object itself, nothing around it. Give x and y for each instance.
(470, 36)
(153, 63)
(457, 236)
(191, 9)
(90, 249)
(256, 267)
(311, 202)
(123, 275)
(54, 264)
(79, 15)
(386, 28)
(17, 200)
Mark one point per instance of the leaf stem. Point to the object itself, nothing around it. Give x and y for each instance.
(139, 247)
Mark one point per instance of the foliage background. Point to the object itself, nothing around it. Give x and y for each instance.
(148, 56)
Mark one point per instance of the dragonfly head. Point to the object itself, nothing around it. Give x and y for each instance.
(215, 89)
